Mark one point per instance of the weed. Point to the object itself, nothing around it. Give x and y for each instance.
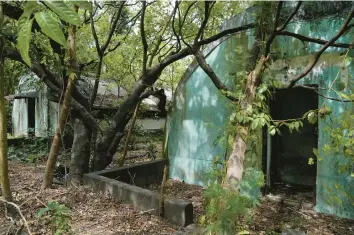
(58, 216)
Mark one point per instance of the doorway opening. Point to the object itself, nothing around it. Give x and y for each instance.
(286, 162)
(31, 110)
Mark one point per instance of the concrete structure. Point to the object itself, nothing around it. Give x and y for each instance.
(126, 184)
(197, 125)
(34, 111)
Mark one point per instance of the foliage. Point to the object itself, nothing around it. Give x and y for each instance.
(29, 150)
(340, 130)
(58, 216)
(47, 15)
(225, 209)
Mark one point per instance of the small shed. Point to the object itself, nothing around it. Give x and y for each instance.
(34, 112)
(197, 124)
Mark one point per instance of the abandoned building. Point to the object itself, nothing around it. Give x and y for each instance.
(200, 113)
(34, 110)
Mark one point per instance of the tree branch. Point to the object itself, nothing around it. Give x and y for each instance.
(143, 37)
(324, 96)
(226, 33)
(212, 75)
(156, 50)
(94, 34)
(272, 36)
(317, 56)
(314, 40)
(281, 28)
(148, 93)
(207, 10)
(113, 28)
(173, 26)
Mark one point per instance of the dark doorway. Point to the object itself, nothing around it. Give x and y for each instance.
(290, 152)
(31, 110)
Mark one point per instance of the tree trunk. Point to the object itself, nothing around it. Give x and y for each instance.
(5, 183)
(54, 150)
(107, 145)
(125, 150)
(80, 153)
(236, 160)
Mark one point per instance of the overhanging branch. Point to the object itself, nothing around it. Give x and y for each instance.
(212, 75)
(226, 33)
(317, 56)
(314, 40)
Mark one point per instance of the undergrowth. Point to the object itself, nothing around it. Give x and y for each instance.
(227, 210)
(58, 217)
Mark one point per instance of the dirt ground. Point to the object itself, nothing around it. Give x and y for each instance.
(91, 212)
(94, 213)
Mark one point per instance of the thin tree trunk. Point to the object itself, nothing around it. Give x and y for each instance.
(125, 150)
(80, 154)
(235, 164)
(97, 81)
(54, 150)
(5, 183)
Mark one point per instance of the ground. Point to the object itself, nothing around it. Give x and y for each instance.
(94, 213)
(91, 212)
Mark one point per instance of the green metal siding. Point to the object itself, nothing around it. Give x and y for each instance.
(200, 113)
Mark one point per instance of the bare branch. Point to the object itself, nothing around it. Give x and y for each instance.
(212, 75)
(207, 10)
(173, 26)
(314, 40)
(94, 34)
(324, 96)
(156, 50)
(281, 28)
(317, 56)
(113, 28)
(226, 33)
(88, 20)
(272, 36)
(143, 37)
(20, 213)
(187, 11)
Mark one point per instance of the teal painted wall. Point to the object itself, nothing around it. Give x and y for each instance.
(200, 114)
(198, 120)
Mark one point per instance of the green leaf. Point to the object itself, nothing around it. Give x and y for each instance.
(83, 5)
(315, 151)
(341, 86)
(347, 61)
(344, 96)
(254, 124)
(23, 42)
(50, 27)
(312, 117)
(311, 162)
(272, 130)
(27, 11)
(244, 232)
(28, 8)
(42, 211)
(64, 11)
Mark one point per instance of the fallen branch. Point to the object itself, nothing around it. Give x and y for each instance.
(19, 211)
